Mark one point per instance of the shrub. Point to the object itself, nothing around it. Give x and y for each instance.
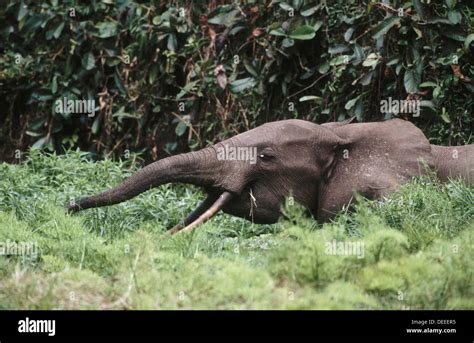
(169, 78)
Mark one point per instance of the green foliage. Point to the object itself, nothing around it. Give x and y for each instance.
(416, 248)
(176, 77)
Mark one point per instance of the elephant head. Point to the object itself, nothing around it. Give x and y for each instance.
(250, 174)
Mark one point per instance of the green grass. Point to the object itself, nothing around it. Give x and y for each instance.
(417, 248)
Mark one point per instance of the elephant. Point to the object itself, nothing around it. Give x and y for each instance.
(321, 166)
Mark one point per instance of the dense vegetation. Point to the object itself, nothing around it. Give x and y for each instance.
(173, 75)
(417, 248)
(170, 76)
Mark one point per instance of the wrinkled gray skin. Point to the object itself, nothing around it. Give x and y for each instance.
(322, 166)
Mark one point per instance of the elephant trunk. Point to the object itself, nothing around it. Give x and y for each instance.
(197, 168)
(454, 161)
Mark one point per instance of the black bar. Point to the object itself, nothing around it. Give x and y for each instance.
(238, 323)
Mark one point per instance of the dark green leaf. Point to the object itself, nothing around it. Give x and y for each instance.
(250, 68)
(225, 19)
(411, 81)
(358, 55)
(278, 32)
(285, 6)
(54, 85)
(454, 17)
(341, 59)
(450, 3)
(303, 32)
(106, 29)
(348, 34)
(287, 42)
(427, 103)
(119, 84)
(58, 30)
(371, 60)
(186, 89)
(324, 68)
(181, 128)
(238, 86)
(96, 126)
(318, 25)
(468, 41)
(39, 143)
(430, 84)
(309, 9)
(445, 116)
(315, 98)
(419, 8)
(22, 11)
(172, 42)
(385, 26)
(33, 22)
(454, 35)
(337, 49)
(351, 103)
(156, 20)
(367, 78)
(88, 61)
(297, 4)
(55, 31)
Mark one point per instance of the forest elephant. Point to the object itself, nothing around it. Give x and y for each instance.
(321, 166)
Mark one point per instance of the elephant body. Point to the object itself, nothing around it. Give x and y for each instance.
(322, 166)
(454, 161)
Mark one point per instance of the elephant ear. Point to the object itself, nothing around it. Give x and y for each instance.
(376, 159)
(327, 145)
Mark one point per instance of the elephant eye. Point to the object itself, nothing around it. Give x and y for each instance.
(265, 157)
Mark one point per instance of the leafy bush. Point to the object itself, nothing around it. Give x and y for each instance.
(169, 78)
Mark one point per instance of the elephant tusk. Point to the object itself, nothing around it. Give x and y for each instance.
(223, 199)
(194, 215)
(175, 229)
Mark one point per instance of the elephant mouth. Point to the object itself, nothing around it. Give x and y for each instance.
(217, 200)
(254, 202)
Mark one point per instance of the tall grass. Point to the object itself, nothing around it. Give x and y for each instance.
(417, 248)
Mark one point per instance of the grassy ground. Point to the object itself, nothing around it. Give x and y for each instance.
(415, 250)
